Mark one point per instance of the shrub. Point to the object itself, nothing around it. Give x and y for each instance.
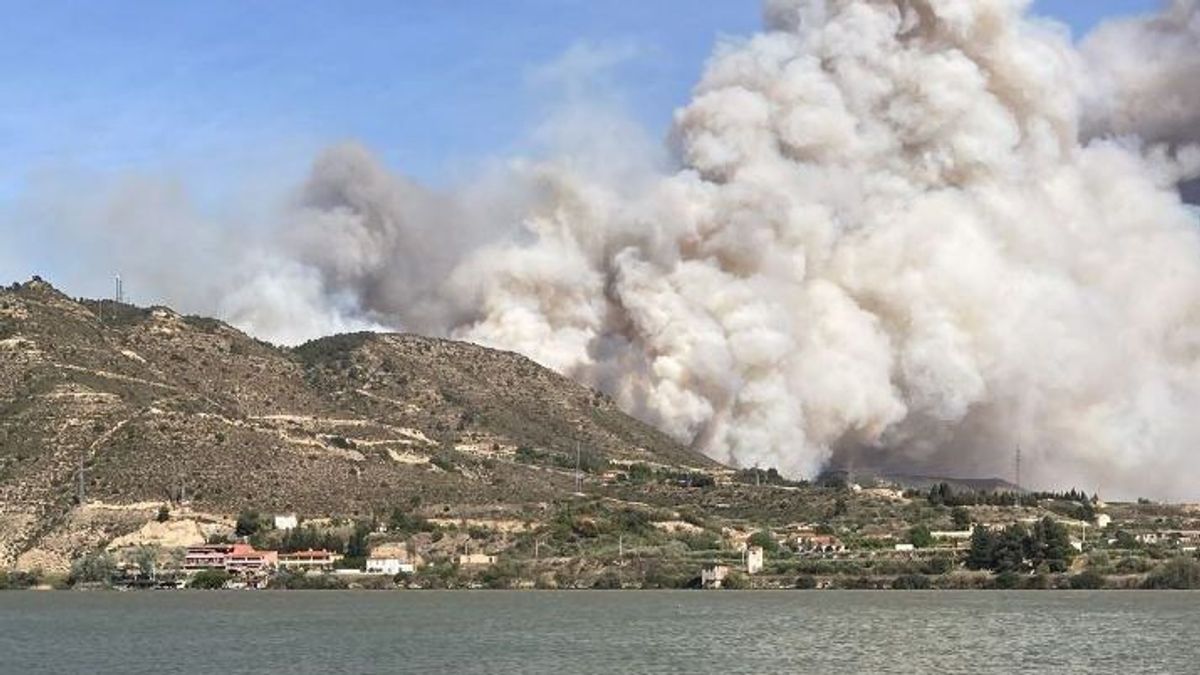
(164, 514)
(920, 537)
(735, 581)
(1087, 580)
(500, 575)
(701, 541)
(609, 580)
(444, 462)
(937, 565)
(17, 580)
(805, 582)
(911, 582)
(307, 582)
(93, 567)
(1178, 574)
(1007, 580)
(631, 521)
(209, 579)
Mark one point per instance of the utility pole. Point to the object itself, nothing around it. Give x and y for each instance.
(82, 495)
(578, 477)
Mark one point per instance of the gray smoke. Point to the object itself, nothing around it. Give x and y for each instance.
(914, 233)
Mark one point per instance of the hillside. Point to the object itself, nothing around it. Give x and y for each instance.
(183, 425)
(162, 408)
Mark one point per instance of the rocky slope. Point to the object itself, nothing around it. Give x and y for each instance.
(158, 407)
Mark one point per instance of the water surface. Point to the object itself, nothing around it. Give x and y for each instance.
(599, 632)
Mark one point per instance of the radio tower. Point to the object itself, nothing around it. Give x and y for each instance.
(119, 294)
(1018, 463)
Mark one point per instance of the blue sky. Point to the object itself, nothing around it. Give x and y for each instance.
(232, 98)
(215, 89)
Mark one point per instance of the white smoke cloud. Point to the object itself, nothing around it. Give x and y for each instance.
(915, 233)
(886, 239)
(1144, 71)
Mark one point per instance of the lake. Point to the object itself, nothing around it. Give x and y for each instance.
(599, 632)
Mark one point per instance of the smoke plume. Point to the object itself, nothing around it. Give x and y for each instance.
(904, 233)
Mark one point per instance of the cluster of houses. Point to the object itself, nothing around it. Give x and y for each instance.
(244, 560)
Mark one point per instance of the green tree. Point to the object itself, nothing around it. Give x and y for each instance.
(1127, 541)
(164, 514)
(1010, 551)
(920, 537)
(765, 539)
(961, 518)
(146, 559)
(403, 522)
(248, 523)
(983, 549)
(356, 545)
(209, 580)
(93, 568)
(1051, 544)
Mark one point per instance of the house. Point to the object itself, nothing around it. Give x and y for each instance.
(286, 521)
(713, 576)
(207, 557)
(302, 561)
(953, 535)
(389, 566)
(819, 543)
(754, 559)
(1103, 520)
(392, 559)
(476, 559)
(245, 559)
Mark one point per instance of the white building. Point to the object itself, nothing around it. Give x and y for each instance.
(754, 559)
(479, 559)
(905, 547)
(389, 566)
(713, 576)
(286, 521)
(1103, 520)
(319, 560)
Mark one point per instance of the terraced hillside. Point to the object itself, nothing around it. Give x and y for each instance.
(155, 407)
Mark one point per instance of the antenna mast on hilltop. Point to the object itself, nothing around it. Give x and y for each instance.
(1018, 468)
(119, 290)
